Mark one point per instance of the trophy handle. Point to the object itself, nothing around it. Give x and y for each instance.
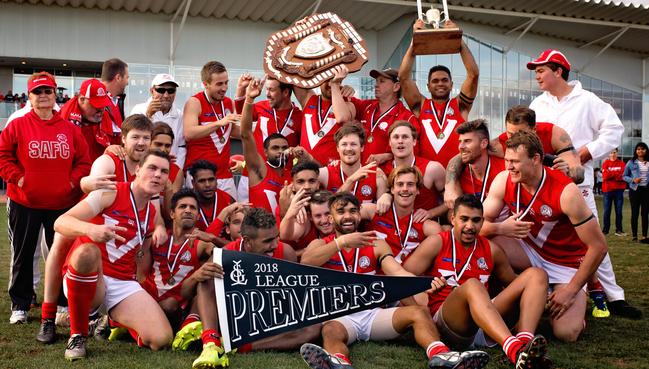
(445, 12)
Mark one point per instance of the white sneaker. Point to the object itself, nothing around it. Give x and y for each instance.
(62, 317)
(18, 317)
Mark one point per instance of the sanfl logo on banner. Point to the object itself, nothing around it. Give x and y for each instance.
(236, 275)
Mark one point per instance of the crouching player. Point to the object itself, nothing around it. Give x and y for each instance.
(112, 230)
(362, 252)
(259, 235)
(467, 261)
(170, 264)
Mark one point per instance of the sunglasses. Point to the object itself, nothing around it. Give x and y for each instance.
(46, 91)
(162, 90)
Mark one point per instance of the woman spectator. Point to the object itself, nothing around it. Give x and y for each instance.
(636, 174)
(613, 187)
(42, 157)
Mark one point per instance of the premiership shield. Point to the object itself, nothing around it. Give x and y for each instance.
(304, 54)
(260, 296)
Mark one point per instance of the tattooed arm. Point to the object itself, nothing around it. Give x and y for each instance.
(452, 188)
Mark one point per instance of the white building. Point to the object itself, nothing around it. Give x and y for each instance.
(605, 40)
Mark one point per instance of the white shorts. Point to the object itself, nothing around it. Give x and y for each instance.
(116, 291)
(374, 324)
(556, 273)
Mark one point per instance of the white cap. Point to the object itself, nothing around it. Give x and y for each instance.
(163, 78)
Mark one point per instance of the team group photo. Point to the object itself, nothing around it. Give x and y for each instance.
(324, 184)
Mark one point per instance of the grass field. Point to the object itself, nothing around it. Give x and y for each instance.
(607, 343)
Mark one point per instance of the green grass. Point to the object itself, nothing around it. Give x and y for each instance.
(607, 343)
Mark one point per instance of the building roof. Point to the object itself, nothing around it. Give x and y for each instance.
(581, 21)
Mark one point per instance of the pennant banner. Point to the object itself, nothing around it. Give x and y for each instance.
(261, 296)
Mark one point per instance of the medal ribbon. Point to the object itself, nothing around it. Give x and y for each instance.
(288, 118)
(222, 129)
(394, 163)
(404, 240)
(200, 209)
(440, 123)
(322, 119)
(485, 176)
(140, 233)
(374, 123)
(344, 261)
(466, 263)
(172, 267)
(125, 169)
(342, 178)
(529, 206)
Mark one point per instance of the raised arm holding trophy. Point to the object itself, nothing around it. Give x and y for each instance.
(438, 37)
(441, 113)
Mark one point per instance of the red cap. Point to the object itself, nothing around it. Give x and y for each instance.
(44, 80)
(550, 56)
(95, 91)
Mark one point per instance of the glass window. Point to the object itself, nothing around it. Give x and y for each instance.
(512, 66)
(496, 64)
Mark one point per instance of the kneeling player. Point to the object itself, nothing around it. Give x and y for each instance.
(552, 228)
(112, 227)
(259, 235)
(361, 252)
(464, 304)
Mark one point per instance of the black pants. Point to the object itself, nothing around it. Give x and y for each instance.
(24, 228)
(639, 206)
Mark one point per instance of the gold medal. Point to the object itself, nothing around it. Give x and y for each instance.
(370, 139)
(222, 139)
(321, 134)
(440, 135)
(140, 253)
(172, 280)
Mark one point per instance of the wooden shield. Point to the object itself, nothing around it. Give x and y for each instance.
(305, 53)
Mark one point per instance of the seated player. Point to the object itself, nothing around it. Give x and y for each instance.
(172, 263)
(259, 235)
(403, 140)
(365, 182)
(308, 218)
(112, 230)
(362, 252)
(464, 304)
(551, 228)
(211, 200)
(398, 226)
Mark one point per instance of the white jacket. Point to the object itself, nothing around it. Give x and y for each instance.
(588, 120)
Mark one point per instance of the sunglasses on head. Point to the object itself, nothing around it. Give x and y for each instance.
(47, 91)
(162, 90)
